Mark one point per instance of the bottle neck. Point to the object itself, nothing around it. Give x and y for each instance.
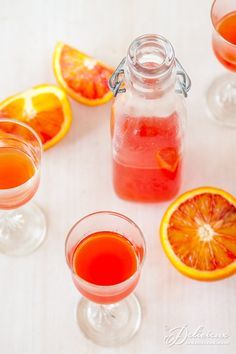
(150, 69)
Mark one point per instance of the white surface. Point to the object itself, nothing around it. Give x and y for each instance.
(37, 298)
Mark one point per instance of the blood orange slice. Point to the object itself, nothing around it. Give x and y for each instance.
(45, 108)
(198, 234)
(168, 159)
(84, 78)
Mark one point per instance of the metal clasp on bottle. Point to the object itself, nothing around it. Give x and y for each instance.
(183, 81)
(116, 79)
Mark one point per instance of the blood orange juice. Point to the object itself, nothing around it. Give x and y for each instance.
(147, 158)
(226, 50)
(105, 258)
(105, 253)
(16, 168)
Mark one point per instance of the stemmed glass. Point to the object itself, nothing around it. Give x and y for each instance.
(221, 95)
(22, 224)
(107, 314)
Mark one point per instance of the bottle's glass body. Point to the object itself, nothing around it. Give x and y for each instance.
(147, 124)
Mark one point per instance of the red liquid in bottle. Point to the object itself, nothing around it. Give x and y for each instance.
(147, 158)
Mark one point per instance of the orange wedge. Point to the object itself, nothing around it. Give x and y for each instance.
(198, 234)
(84, 78)
(168, 159)
(45, 108)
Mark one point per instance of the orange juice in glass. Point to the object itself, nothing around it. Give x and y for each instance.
(105, 252)
(22, 226)
(221, 95)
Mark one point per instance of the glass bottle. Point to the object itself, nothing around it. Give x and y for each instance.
(147, 121)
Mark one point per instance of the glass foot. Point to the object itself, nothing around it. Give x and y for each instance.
(109, 325)
(221, 99)
(22, 230)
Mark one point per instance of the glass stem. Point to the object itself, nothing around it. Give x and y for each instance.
(10, 221)
(103, 314)
(228, 94)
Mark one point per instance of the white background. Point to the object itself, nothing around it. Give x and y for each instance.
(37, 297)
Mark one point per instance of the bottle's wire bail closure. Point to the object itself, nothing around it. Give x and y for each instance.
(117, 78)
(184, 81)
